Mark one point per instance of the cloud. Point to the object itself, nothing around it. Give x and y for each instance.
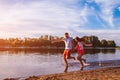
(65, 14)
(41, 15)
(32, 18)
(119, 8)
(107, 8)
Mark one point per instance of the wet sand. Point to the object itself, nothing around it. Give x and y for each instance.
(98, 74)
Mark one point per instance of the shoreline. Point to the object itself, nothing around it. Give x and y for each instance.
(112, 73)
(104, 72)
(55, 47)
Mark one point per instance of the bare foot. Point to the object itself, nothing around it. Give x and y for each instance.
(66, 69)
(86, 64)
(81, 68)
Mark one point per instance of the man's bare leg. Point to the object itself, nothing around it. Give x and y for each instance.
(66, 69)
(65, 61)
(70, 57)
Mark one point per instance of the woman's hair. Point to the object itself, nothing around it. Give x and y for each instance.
(79, 39)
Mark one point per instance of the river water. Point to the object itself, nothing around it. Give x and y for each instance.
(24, 63)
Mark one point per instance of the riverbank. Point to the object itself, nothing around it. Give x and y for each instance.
(98, 74)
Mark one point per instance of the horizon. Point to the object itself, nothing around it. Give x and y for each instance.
(32, 18)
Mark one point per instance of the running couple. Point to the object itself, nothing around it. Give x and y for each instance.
(69, 47)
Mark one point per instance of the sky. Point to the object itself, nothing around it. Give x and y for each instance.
(33, 18)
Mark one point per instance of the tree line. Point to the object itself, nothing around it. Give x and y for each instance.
(45, 41)
(99, 43)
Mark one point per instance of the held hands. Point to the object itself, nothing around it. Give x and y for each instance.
(74, 49)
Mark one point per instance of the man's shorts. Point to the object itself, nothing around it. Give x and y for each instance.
(67, 52)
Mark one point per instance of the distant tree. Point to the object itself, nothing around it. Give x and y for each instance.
(45, 41)
(92, 39)
(111, 43)
(2, 42)
(104, 43)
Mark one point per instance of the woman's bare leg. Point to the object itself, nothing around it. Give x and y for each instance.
(85, 63)
(84, 60)
(79, 58)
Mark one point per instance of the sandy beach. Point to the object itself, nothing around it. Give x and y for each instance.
(98, 74)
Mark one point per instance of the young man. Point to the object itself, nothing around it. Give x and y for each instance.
(68, 48)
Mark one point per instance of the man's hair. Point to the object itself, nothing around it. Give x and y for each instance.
(66, 33)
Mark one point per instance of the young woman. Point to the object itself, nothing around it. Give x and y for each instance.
(80, 50)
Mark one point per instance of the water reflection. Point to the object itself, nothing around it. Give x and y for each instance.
(108, 50)
(72, 65)
(95, 51)
(22, 62)
(53, 51)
